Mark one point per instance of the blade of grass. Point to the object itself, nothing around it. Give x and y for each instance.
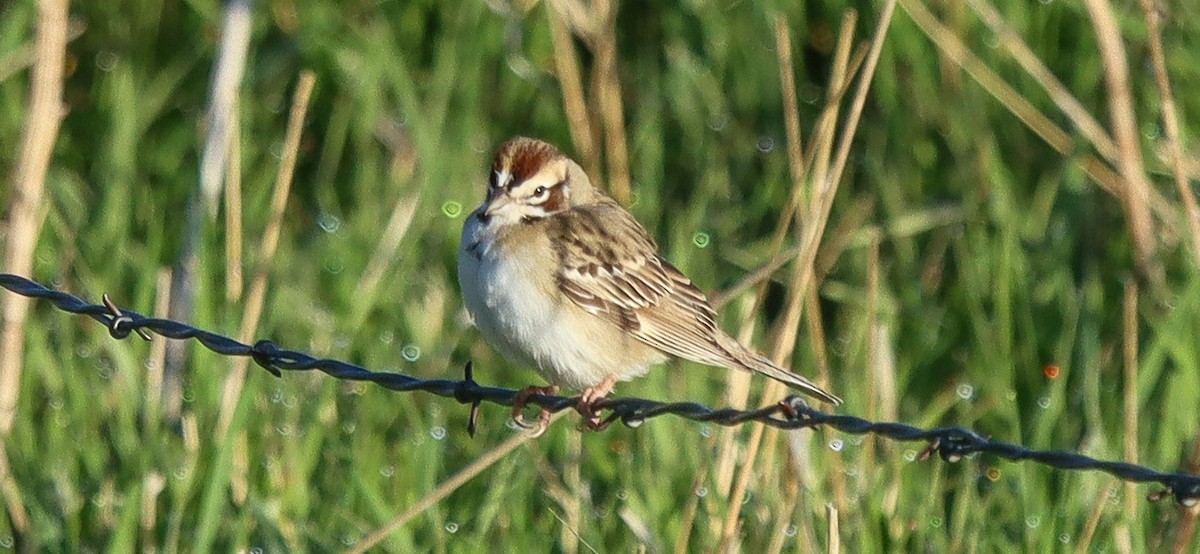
(479, 465)
(384, 255)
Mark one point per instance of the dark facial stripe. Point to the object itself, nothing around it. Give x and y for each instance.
(556, 201)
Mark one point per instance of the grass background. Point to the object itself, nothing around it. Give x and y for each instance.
(963, 256)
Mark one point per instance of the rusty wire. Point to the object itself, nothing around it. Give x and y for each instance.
(951, 443)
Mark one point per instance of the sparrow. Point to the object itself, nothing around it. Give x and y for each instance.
(561, 278)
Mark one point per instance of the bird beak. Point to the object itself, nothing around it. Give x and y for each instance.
(499, 204)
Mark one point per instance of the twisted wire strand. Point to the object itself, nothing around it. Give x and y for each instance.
(950, 443)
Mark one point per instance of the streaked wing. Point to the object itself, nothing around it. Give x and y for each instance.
(611, 268)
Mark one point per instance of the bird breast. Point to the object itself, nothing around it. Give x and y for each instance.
(509, 288)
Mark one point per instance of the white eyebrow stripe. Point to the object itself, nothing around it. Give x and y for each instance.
(502, 178)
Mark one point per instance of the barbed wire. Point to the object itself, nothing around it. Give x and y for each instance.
(951, 443)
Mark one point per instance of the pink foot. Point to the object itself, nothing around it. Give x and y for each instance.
(589, 398)
(543, 421)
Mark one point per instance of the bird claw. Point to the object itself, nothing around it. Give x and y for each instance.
(589, 398)
(543, 421)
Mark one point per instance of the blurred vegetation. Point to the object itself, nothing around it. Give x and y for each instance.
(996, 256)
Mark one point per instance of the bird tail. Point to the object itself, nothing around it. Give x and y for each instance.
(766, 367)
(758, 363)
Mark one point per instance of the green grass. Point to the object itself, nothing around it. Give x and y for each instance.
(997, 256)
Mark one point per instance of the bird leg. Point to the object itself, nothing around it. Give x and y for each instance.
(591, 396)
(522, 399)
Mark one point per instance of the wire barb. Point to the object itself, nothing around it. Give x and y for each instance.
(118, 327)
(950, 443)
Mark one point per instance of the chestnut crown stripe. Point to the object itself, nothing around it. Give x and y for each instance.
(523, 158)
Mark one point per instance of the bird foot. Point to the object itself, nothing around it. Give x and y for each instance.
(589, 398)
(543, 421)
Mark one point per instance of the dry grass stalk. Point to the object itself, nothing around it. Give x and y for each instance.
(566, 66)
(876, 384)
(1070, 106)
(737, 395)
(612, 112)
(801, 180)
(802, 275)
(1170, 117)
(791, 101)
(781, 353)
(839, 79)
(19, 59)
(12, 496)
(811, 230)
(850, 127)
(689, 512)
(738, 387)
(783, 516)
(232, 389)
(816, 340)
(233, 210)
(227, 77)
(1089, 529)
(152, 485)
(1129, 389)
(572, 472)
(1136, 193)
(158, 353)
(834, 537)
(42, 120)
(385, 250)
(797, 203)
(954, 49)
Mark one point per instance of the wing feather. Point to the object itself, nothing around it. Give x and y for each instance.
(610, 268)
(621, 278)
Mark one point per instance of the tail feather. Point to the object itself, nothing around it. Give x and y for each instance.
(766, 367)
(748, 360)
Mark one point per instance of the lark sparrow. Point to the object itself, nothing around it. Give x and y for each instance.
(559, 277)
